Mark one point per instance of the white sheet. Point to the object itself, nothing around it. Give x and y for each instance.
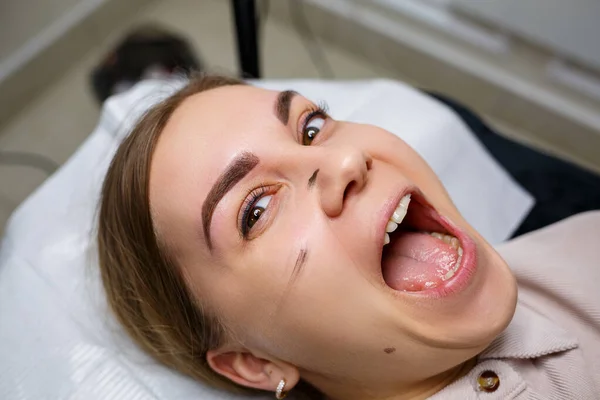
(56, 339)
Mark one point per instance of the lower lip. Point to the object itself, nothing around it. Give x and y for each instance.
(465, 272)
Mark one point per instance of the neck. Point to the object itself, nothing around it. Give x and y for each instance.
(421, 391)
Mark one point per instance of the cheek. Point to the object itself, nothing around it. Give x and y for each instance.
(330, 297)
(394, 151)
(327, 297)
(390, 149)
(256, 290)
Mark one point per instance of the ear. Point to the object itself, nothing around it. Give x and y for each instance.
(252, 369)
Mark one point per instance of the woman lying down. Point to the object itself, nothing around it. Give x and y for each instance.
(252, 242)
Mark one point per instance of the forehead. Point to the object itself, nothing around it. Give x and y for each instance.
(220, 110)
(209, 128)
(211, 125)
(202, 136)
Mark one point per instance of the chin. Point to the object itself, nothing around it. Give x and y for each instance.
(459, 291)
(498, 293)
(488, 307)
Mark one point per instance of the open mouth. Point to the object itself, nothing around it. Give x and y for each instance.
(420, 252)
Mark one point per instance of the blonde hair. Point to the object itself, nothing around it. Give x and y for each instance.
(145, 289)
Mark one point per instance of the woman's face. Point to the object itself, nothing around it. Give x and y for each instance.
(277, 215)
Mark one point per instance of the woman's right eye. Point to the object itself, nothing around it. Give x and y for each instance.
(254, 212)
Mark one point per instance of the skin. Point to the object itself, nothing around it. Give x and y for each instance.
(336, 324)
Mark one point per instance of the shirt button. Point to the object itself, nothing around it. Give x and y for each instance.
(488, 381)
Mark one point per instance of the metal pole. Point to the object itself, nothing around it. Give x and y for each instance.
(244, 12)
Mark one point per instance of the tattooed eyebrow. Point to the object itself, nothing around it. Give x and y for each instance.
(300, 262)
(282, 105)
(313, 179)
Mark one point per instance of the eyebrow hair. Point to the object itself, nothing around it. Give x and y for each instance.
(300, 261)
(313, 179)
(298, 266)
(234, 172)
(282, 105)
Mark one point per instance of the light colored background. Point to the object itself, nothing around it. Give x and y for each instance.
(20, 21)
(548, 22)
(57, 121)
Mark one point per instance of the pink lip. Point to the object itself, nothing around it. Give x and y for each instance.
(466, 270)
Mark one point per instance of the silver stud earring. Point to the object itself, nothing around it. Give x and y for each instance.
(279, 393)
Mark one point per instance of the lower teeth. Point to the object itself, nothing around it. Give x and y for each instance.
(451, 273)
(448, 239)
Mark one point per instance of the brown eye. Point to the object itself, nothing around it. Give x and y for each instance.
(309, 135)
(254, 216)
(257, 210)
(312, 129)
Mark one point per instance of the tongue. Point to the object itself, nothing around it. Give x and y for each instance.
(416, 261)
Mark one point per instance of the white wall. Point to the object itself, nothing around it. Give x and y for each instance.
(570, 27)
(28, 27)
(22, 20)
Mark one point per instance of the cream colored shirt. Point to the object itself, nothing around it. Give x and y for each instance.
(551, 349)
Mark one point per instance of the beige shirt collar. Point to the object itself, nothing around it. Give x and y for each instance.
(529, 335)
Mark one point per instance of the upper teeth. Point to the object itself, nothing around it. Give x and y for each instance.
(397, 217)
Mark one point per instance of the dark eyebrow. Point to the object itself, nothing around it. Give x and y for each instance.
(298, 266)
(234, 172)
(300, 261)
(282, 105)
(313, 179)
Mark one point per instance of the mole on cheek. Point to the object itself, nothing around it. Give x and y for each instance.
(389, 350)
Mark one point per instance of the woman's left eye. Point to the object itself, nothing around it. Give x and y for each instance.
(312, 128)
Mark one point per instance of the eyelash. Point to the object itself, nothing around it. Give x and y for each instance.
(251, 198)
(319, 110)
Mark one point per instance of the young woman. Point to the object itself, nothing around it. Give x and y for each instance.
(252, 242)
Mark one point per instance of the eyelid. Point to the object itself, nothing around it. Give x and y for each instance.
(312, 111)
(249, 202)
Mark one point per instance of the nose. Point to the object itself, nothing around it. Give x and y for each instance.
(343, 174)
